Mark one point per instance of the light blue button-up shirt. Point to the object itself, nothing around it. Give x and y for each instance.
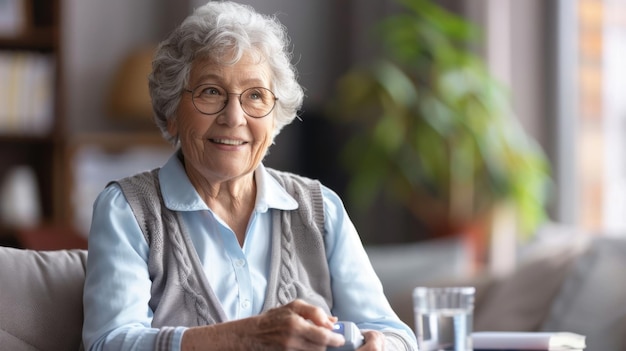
(117, 286)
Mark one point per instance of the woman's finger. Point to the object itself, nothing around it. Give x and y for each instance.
(312, 313)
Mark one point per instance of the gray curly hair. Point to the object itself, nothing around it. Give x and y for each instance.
(212, 31)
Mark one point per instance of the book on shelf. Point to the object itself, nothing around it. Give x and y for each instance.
(26, 92)
(528, 341)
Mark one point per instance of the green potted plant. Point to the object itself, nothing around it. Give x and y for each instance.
(434, 130)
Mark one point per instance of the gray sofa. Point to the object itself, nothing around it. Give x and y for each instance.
(41, 299)
(574, 284)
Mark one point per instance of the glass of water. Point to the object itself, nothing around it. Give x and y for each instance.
(443, 318)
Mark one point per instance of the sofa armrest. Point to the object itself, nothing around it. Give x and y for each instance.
(41, 298)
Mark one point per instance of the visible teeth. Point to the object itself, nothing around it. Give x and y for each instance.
(228, 141)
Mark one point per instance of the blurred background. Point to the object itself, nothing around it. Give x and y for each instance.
(74, 113)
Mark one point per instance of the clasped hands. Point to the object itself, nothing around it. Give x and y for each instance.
(296, 326)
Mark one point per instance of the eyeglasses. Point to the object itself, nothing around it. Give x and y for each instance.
(210, 99)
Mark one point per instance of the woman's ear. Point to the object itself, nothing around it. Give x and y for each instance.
(172, 126)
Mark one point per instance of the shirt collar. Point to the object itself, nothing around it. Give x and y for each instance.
(270, 194)
(180, 195)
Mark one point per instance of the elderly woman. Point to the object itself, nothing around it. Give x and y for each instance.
(213, 251)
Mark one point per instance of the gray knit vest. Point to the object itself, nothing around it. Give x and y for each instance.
(181, 294)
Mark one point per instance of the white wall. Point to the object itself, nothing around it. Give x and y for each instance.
(96, 35)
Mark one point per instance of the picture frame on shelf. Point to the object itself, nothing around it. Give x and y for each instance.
(13, 18)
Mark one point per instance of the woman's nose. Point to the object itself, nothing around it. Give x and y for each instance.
(233, 113)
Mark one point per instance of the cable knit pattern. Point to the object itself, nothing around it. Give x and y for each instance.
(299, 266)
(286, 288)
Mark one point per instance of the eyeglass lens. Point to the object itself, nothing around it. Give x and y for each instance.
(256, 102)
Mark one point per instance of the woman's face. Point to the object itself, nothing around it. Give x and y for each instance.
(229, 144)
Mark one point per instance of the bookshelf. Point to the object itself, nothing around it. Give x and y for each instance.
(32, 129)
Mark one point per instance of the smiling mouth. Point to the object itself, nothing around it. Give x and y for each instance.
(227, 142)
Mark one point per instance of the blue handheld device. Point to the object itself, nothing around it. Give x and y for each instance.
(352, 334)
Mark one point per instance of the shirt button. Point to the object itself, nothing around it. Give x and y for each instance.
(245, 304)
(240, 263)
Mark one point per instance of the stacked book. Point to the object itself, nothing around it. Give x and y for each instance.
(26, 93)
(528, 341)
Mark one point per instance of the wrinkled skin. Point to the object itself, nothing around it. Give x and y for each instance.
(297, 326)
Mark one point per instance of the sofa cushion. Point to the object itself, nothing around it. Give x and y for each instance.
(592, 299)
(41, 299)
(520, 300)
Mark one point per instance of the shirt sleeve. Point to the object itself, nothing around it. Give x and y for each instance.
(117, 283)
(357, 291)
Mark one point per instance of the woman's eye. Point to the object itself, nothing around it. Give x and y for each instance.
(255, 95)
(209, 91)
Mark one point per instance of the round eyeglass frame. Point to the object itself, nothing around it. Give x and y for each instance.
(193, 100)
